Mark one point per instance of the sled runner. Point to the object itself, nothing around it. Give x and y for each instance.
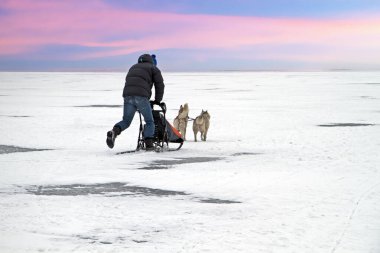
(164, 132)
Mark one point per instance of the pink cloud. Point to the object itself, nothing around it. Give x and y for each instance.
(31, 25)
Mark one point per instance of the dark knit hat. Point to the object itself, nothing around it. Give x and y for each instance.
(145, 58)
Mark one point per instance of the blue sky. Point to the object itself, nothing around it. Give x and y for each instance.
(268, 8)
(197, 35)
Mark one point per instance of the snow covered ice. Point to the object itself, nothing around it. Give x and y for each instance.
(291, 164)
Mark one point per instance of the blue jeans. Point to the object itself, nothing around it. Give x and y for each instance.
(141, 104)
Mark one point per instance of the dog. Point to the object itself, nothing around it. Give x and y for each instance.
(180, 122)
(201, 124)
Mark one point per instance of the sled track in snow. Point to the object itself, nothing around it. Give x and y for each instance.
(352, 214)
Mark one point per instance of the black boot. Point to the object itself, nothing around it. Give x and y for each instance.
(111, 136)
(149, 144)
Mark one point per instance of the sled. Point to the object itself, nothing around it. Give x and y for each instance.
(164, 132)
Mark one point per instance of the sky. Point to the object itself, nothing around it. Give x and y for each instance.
(189, 35)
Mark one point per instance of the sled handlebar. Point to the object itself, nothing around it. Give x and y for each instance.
(162, 105)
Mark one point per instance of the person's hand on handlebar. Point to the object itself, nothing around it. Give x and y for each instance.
(154, 102)
(160, 104)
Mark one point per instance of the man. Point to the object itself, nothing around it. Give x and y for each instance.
(137, 91)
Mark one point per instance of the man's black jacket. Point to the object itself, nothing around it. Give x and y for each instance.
(141, 77)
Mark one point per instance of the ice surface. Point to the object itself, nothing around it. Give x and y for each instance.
(291, 164)
(4, 149)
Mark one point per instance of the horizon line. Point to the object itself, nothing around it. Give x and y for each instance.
(192, 71)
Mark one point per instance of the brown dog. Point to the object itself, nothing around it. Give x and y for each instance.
(180, 122)
(201, 124)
